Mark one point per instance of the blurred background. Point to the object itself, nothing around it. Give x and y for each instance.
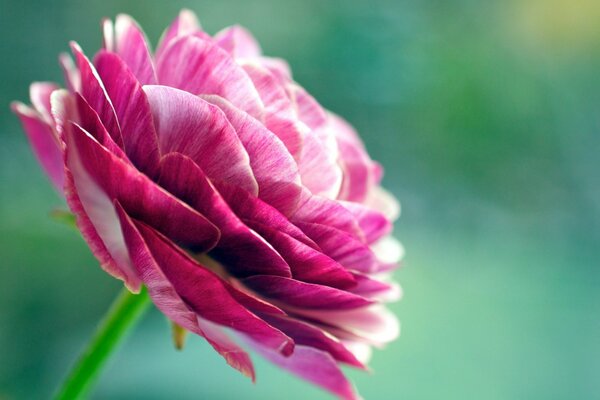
(486, 117)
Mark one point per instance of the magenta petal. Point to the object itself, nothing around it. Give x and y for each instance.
(189, 125)
(307, 263)
(44, 143)
(324, 211)
(189, 63)
(92, 90)
(132, 110)
(373, 224)
(195, 284)
(274, 168)
(280, 117)
(315, 366)
(238, 42)
(141, 197)
(342, 247)
(168, 301)
(96, 217)
(89, 120)
(186, 23)
(287, 291)
(242, 250)
(306, 334)
(132, 46)
(375, 289)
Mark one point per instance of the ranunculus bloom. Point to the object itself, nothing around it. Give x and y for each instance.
(205, 173)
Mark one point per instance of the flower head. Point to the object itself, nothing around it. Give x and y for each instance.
(205, 173)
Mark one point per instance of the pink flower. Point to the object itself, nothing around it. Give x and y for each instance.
(205, 173)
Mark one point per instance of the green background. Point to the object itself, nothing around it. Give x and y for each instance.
(486, 117)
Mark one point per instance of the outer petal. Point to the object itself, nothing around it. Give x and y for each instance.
(93, 91)
(315, 366)
(198, 66)
(194, 283)
(142, 198)
(191, 126)
(381, 200)
(131, 45)
(307, 263)
(44, 143)
(373, 324)
(132, 109)
(238, 42)
(186, 23)
(373, 224)
(240, 249)
(306, 334)
(40, 92)
(170, 303)
(287, 291)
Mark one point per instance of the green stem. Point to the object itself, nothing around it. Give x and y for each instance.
(122, 316)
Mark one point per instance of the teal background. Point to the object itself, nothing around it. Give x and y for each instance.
(486, 117)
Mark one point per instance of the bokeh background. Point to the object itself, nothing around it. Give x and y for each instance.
(486, 117)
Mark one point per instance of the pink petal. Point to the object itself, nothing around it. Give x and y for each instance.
(280, 117)
(375, 289)
(71, 74)
(373, 224)
(195, 284)
(170, 303)
(141, 197)
(342, 247)
(191, 126)
(40, 92)
(131, 45)
(287, 291)
(198, 66)
(315, 366)
(96, 217)
(274, 168)
(382, 200)
(44, 143)
(307, 334)
(93, 91)
(238, 42)
(132, 109)
(186, 23)
(242, 250)
(373, 324)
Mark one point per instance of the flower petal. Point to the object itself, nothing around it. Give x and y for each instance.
(44, 143)
(194, 283)
(287, 291)
(274, 168)
(189, 125)
(132, 109)
(132, 46)
(186, 23)
(238, 42)
(170, 303)
(315, 366)
(93, 91)
(141, 197)
(307, 334)
(198, 66)
(240, 249)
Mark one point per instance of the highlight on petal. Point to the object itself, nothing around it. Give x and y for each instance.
(237, 41)
(186, 23)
